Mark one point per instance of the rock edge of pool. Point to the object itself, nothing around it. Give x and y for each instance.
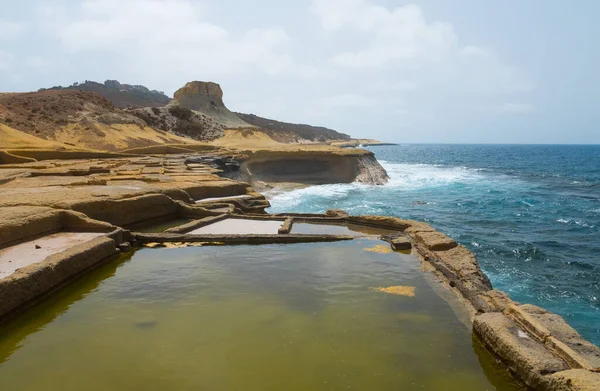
(43, 248)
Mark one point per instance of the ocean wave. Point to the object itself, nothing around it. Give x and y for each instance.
(403, 177)
(291, 200)
(418, 176)
(575, 222)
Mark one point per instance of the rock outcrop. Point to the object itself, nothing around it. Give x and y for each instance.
(207, 98)
(312, 167)
(181, 121)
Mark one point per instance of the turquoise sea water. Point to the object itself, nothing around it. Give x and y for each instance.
(531, 214)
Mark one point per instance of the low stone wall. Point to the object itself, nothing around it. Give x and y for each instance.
(127, 211)
(236, 239)
(49, 154)
(192, 225)
(9, 158)
(29, 284)
(21, 223)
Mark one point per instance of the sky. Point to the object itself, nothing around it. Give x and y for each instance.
(430, 71)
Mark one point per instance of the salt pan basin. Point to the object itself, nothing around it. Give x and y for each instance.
(274, 317)
(241, 227)
(25, 254)
(336, 229)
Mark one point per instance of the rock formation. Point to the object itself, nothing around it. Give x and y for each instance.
(181, 122)
(207, 98)
(211, 115)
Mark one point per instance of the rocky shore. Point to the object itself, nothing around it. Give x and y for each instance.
(111, 198)
(83, 182)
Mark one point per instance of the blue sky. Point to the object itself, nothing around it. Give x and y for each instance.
(422, 71)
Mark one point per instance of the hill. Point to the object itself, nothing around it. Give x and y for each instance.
(79, 119)
(287, 132)
(197, 111)
(121, 95)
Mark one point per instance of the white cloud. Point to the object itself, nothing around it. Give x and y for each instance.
(10, 29)
(347, 101)
(174, 37)
(6, 61)
(403, 39)
(483, 71)
(400, 36)
(394, 86)
(513, 108)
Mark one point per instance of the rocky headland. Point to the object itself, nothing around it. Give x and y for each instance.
(62, 122)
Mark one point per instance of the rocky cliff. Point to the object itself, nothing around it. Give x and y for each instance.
(207, 98)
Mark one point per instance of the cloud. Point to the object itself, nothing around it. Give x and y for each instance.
(400, 35)
(173, 37)
(10, 29)
(483, 71)
(402, 39)
(513, 108)
(347, 101)
(6, 61)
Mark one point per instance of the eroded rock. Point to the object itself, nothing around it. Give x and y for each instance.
(523, 355)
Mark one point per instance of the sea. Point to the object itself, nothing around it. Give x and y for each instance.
(530, 213)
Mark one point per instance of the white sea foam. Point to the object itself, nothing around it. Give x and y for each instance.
(402, 177)
(575, 222)
(418, 176)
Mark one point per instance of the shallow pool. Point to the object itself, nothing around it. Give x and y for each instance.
(272, 317)
(336, 229)
(240, 227)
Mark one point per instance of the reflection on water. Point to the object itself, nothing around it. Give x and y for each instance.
(277, 317)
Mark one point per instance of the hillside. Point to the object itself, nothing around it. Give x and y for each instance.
(78, 119)
(12, 138)
(121, 95)
(180, 121)
(287, 132)
(111, 115)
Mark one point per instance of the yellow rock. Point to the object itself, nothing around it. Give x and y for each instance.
(397, 290)
(152, 245)
(380, 248)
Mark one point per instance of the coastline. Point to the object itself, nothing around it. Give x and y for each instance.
(109, 195)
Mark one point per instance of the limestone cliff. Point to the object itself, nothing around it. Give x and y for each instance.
(207, 98)
(312, 167)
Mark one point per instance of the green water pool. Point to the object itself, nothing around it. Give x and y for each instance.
(272, 317)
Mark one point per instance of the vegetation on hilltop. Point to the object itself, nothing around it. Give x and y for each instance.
(121, 95)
